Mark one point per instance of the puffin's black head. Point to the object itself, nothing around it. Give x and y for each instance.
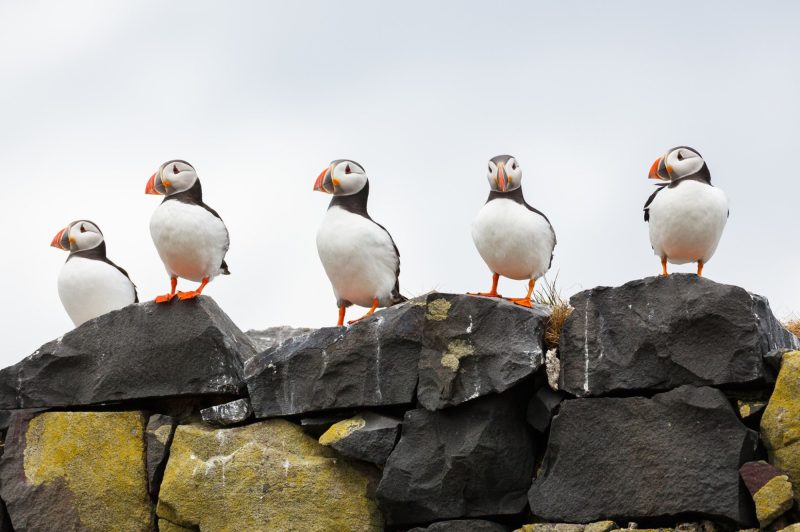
(680, 163)
(172, 177)
(504, 174)
(78, 236)
(342, 177)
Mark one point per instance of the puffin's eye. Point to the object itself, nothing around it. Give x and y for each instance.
(680, 156)
(514, 165)
(347, 169)
(83, 229)
(175, 169)
(490, 168)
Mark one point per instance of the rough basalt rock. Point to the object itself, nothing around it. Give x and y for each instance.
(76, 471)
(267, 475)
(780, 424)
(141, 351)
(463, 525)
(659, 333)
(227, 414)
(474, 346)
(369, 437)
(475, 459)
(371, 363)
(158, 438)
(542, 405)
(770, 489)
(635, 458)
(275, 336)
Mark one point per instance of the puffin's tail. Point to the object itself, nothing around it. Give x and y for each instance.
(223, 269)
(398, 298)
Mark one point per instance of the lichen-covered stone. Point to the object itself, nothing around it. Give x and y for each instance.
(780, 424)
(264, 476)
(474, 346)
(367, 436)
(770, 489)
(76, 471)
(166, 526)
(462, 525)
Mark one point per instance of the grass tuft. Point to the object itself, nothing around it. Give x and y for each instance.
(549, 294)
(793, 326)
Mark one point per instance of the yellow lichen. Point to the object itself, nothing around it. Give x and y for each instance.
(456, 350)
(773, 499)
(99, 456)
(162, 433)
(438, 309)
(341, 430)
(268, 475)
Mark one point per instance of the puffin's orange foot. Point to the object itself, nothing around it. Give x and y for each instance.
(521, 301)
(484, 294)
(369, 313)
(183, 296)
(166, 298)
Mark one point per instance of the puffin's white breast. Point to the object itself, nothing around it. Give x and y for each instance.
(358, 257)
(513, 241)
(89, 288)
(191, 241)
(686, 221)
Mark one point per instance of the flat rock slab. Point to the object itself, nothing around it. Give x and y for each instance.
(659, 333)
(76, 471)
(367, 436)
(371, 363)
(628, 459)
(141, 351)
(474, 346)
(470, 460)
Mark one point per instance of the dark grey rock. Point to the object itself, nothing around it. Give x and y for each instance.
(373, 362)
(542, 406)
(659, 333)
(474, 346)
(463, 525)
(634, 458)
(140, 351)
(275, 336)
(471, 460)
(315, 426)
(367, 436)
(158, 438)
(227, 414)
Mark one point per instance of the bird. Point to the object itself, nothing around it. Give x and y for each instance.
(190, 236)
(686, 214)
(89, 284)
(514, 239)
(358, 254)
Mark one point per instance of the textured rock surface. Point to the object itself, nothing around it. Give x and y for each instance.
(141, 351)
(542, 406)
(462, 525)
(780, 424)
(474, 459)
(631, 458)
(373, 362)
(264, 476)
(367, 436)
(659, 333)
(474, 346)
(275, 336)
(770, 489)
(228, 413)
(158, 437)
(600, 526)
(76, 471)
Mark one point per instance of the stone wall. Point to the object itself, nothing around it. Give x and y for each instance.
(677, 405)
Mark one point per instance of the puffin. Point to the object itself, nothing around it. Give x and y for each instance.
(358, 254)
(89, 284)
(514, 239)
(190, 236)
(686, 213)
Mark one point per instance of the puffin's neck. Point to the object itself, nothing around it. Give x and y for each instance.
(97, 252)
(513, 195)
(193, 194)
(355, 203)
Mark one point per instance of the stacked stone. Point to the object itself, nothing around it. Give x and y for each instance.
(435, 414)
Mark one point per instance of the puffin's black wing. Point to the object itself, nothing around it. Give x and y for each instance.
(123, 272)
(552, 231)
(224, 266)
(396, 296)
(650, 200)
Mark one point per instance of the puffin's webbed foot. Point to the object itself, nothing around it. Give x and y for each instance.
(166, 298)
(369, 313)
(490, 293)
(524, 301)
(183, 296)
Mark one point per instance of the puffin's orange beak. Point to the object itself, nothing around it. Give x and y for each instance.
(502, 178)
(658, 170)
(324, 182)
(60, 241)
(151, 186)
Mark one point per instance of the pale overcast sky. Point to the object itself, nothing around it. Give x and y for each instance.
(260, 96)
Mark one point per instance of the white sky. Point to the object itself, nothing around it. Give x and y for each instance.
(260, 96)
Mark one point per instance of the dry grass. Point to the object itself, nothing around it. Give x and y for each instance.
(549, 294)
(793, 326)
